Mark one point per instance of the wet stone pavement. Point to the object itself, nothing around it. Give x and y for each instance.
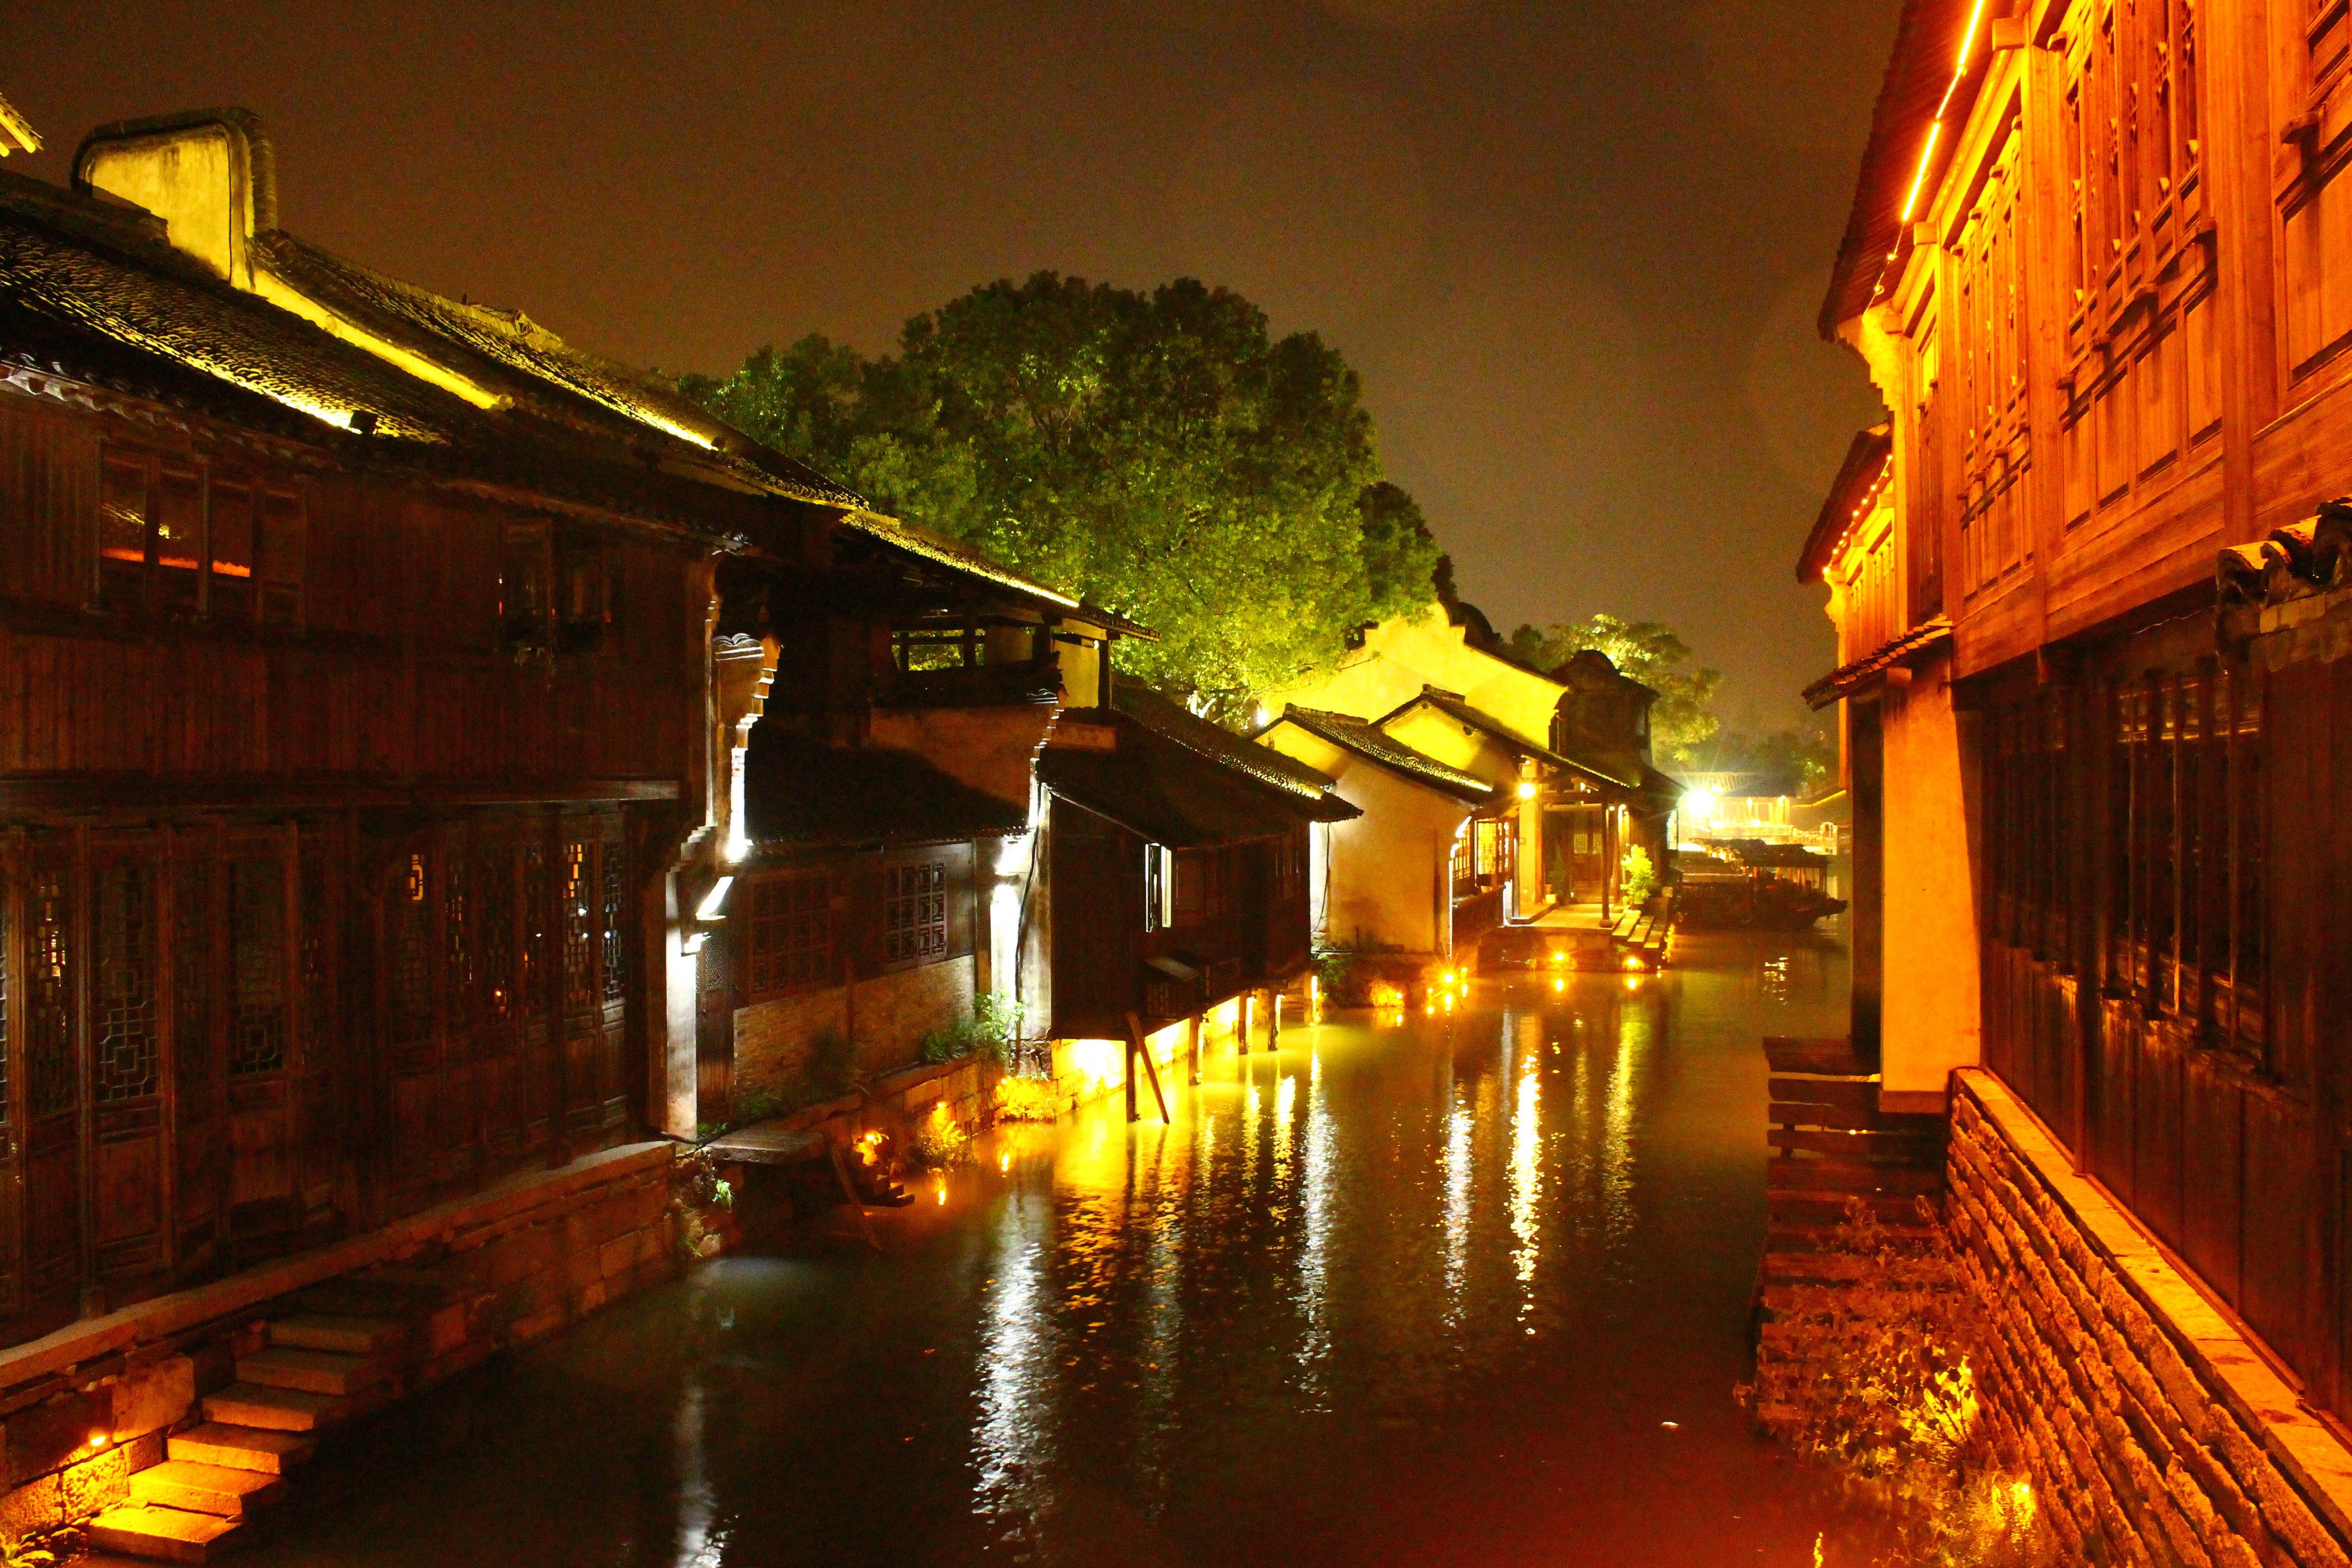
(1469, 1287)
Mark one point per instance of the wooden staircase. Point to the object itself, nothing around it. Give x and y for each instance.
(319, 1369)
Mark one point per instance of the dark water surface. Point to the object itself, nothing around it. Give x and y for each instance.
(1422, 1291)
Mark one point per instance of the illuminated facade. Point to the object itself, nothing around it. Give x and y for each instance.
(2089, 585)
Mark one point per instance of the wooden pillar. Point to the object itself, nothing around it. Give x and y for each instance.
(1192, 1047)
(1273, 1021)
(1132, 1046)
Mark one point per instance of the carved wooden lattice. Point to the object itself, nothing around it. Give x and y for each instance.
(192, 969)
(616, 882)
(125, 1050)
(48, 1042)
(532, 982)
(494, 890)
(460, 971)
(410, 983)
(321, 1018)
(257, 923)
(578, 988)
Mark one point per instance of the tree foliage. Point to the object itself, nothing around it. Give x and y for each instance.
(1682, 718)
(1161, 454)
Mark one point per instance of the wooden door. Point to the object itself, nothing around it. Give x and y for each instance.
(200, 1061)
(714, 1031)
(126, 1176)
(261, 902)
(617, 899)
(52, 1092)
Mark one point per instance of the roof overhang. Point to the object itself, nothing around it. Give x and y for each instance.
(1874, 669)
(1850, 497)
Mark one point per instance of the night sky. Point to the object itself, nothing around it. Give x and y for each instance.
(1576, 248)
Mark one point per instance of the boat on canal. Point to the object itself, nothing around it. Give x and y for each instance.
(1753, 884)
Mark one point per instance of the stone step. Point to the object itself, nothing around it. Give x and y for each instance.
(279, 1409)
(327, 1331)
(161, 1534)
(313, 1372)
(240, 1447)
(217, 1489)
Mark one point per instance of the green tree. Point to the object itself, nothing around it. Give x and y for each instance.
(1161, 454)
(1682, 718)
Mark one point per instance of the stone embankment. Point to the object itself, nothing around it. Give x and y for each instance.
(163, 1427)
(2154, 1430)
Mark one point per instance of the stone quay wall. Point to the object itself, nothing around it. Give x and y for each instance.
(2155, 1432)
(84, 1408)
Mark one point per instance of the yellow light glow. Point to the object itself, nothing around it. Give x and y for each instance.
(1004, 1161)
(1969, 38)
(1385, 996)
(1527, 791)
(1449, 977)
(941, 1193)
(98, 1439)
(1559, 984)
(1911, 202)
(1633, 983)
(1558, 956)
(1633, 964)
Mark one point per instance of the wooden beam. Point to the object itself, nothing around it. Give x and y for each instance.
(1141, 1045)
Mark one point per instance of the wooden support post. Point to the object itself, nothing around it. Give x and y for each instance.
(1274, 1022)
(1132, 1046)
(1243, 1032)
(1141, 1045)
(1193, 1047)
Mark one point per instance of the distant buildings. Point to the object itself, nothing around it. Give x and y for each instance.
(1491, 792)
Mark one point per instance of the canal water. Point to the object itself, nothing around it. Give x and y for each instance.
(1470, 1286)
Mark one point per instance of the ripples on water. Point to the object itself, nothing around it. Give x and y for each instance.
(1415, 1289)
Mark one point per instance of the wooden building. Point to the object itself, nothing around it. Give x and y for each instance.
(1177, 860)
(353, 683)
(2093, 266)
(878, 851)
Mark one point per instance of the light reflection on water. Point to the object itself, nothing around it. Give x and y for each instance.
(1413, 1290)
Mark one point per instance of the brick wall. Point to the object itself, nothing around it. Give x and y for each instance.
(890, 1014)
(2154, 1430)
(502, 1268)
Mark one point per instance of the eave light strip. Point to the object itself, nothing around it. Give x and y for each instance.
(1935, 134)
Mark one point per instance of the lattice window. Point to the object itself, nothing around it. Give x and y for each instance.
(915, 912)
(790, 933)
(410, 981)
(192, 969)
(494, 887)
(320, 1019)
(531, 985)
(126, 1048)
(579, 989)
(257, 929)
(615, 922)
(48, 1042)
(459, 969)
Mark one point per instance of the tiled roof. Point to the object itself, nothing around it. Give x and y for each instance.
(1183, 793)
(1866, 462)
(1919, 84)
(1454, 707)
(1850, 678)
(1173, 722)
(921, 546)
(1374, 746)
(801, 794)
(91, 293)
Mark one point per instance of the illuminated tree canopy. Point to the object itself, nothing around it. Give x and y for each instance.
(1161, 454)
(1683, 719)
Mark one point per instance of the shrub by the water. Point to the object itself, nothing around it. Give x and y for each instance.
(1876, 1376)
